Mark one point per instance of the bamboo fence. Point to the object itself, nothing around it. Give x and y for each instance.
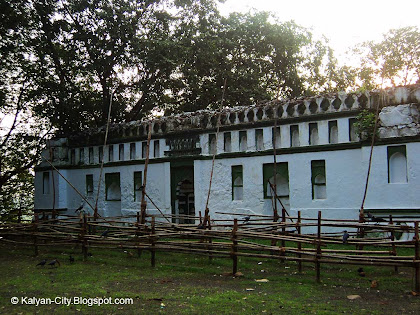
(230, 238)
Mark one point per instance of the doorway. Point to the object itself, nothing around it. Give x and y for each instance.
(182, 192)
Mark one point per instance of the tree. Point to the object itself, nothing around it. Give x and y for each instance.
(19, 145)
(394, 60)
(167, 53)
(260, 58)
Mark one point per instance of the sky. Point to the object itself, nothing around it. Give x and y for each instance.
(344, 23)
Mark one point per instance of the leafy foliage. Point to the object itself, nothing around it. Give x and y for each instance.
(394, 60)
(172, 54)
(365, 124)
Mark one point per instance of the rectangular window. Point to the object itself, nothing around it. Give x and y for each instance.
(237, 183)
(227, 142)
(112, 187)
(89, 184)
(294, 136)
(332, 131)
(353, 136)
(91, 156)
(111, 153)
(282, 180)
(259, 139)
(318, 179)
(121, 152)
(81, 156)
(212, 144)
(132, 151)
(156, 148)
(276, 137)
(243, 139)
(46, 183)
(73, 156)
(397, 164)
(137, 186)
(143, 150)
(313, 134)
(101, 154)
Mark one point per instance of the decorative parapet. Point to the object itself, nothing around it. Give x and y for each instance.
(267, 111)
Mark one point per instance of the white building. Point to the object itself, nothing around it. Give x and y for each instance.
(321, 163)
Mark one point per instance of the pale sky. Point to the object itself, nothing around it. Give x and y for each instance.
(344, 23)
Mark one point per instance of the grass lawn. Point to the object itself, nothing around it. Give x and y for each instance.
(186, 284)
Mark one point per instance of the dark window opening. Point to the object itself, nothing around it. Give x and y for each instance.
(318, 179)
(81, 156)
(243, 146)
(237, 183)
(91, 161)
(313, 134)
(259, 139)
(46, 183)
(332, 131)
(121, 152)
(89, 184)
(212, 143)
(101, 154)
(112, 187)
(281, 181)
(132, 151)
(227, 142)
(143, 150)
(137, 186)
(111, 153)
(353, 136)
(156, 148)
(294, 136)
(276, 137)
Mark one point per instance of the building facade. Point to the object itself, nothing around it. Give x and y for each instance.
(321, 163)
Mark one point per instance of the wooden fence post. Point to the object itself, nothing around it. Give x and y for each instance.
(318, 250)
(417, 257)
(36, 219)
(299, 231)
(84, 241)
(152, 243)
(210, 241)
(138, 232)
(283, 221)
(361, 230)
(394, 248)
(234, 247)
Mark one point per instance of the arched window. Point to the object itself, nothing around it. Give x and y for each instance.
(397, 165)
(112, 187)
(237, 183)
(227, 145)
(212, 143)
(259, 140)
(319, 182)
(294, 136)
(243, 141)
(333, 131)
(282, 179)
(282, 186)
(313, 134)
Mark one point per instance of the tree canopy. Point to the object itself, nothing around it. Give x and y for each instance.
(174, 55)
(394, 60)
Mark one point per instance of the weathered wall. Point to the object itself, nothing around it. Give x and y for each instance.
(158, 188)
(345, 175)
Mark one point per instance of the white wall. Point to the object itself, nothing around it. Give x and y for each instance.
(158, 188)
(345, 177)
